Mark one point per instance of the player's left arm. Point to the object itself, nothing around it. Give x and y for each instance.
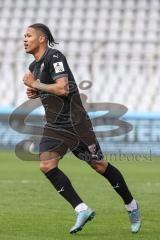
(59, 87)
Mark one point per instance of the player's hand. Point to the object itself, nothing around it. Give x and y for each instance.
(29, 80)
(32, 93)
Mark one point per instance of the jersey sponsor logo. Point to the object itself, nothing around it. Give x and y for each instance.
(58, 66)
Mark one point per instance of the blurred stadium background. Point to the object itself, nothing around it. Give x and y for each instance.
(113, 43)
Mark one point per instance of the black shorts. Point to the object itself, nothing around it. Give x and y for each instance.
(80, 141)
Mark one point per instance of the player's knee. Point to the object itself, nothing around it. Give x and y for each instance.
(48, 161)
(46, 166)
(99, 166)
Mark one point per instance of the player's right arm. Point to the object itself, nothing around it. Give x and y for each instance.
(32, 93)
(58, 70)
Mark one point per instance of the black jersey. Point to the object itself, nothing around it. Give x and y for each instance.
(60, 111)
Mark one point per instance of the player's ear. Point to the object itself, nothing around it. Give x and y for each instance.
(42, 39)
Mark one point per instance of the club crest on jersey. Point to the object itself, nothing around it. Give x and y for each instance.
(92, 148)
(58, 66)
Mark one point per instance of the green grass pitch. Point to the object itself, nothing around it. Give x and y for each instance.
(30, 209)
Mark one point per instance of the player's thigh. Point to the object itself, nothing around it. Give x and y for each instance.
(55, 141)
(92, 155)
(58, 140)
(50, 152)
(49, 156)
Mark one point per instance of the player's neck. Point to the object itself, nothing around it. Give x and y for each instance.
(39, 54)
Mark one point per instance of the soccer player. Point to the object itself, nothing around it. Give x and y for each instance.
(67, 126)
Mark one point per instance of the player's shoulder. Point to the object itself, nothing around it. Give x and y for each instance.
(54, 54)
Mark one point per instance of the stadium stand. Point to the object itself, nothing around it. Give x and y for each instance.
(113, 43)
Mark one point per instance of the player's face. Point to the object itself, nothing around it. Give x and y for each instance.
(31, 40)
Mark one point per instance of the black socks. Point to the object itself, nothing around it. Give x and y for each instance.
(63, 185)
(117, 181)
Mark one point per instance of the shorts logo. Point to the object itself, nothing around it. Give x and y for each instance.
(58, 66)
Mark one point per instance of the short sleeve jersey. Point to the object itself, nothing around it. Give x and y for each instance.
(60, 111)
